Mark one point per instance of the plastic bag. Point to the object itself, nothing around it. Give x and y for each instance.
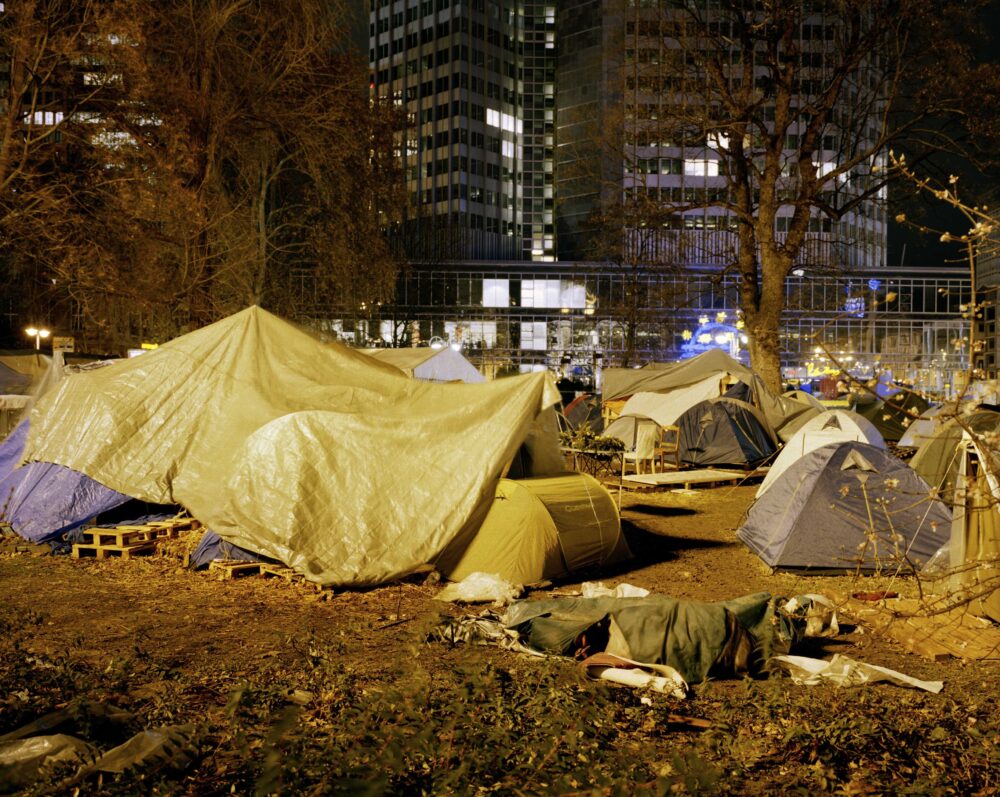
(596, 589)
(481, 588)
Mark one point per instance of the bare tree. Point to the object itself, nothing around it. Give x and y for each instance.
(49, 93)
(238, 154)
(779, 116)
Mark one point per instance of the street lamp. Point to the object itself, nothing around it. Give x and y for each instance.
(37, 333)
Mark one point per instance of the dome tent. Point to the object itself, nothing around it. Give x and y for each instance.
(542, 528)
(802, 397)
(853, 487)
(834, 426)
(584, 409)
(892, 415)
(724, 431)
(431, 364)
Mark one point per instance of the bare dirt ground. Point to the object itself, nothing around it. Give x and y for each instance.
(385, 711)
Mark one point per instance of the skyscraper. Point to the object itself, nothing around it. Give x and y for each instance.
(476, 79)
(528, 120)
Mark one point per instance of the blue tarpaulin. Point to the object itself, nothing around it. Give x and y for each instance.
(40, 500)
(213, 547)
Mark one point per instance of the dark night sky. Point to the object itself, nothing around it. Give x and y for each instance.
(911, 248)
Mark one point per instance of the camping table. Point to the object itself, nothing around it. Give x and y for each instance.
(595, 463)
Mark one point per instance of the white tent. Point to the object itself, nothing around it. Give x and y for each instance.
(666, 408)
(430, 364)
(835, 426)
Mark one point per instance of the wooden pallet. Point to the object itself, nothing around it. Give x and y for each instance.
(120, 536)
(234, 568)
(956, 633)
(280, 571)
(84, 550)
(175, 524)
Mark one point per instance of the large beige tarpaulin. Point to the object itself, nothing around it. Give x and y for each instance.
(661, 377)
(317, 455)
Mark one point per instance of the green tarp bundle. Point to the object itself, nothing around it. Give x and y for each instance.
(690, 636)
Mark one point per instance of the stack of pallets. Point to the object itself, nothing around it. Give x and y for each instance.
(128, 540)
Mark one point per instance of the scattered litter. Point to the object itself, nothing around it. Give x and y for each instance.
(845, 671)
(481, 588)
(657, 677)
(596, 589)
(300, 697)
(170, 746)
(23, 761)
(484, 629)
(818, 611)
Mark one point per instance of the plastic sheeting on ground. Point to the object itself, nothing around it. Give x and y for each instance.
(844, 671)
(315, 455)
(211, 547)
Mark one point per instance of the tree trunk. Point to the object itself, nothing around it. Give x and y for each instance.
(765, 358)
(762, 303)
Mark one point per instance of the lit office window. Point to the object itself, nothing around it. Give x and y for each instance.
(533, 335)
(496, 293)
(701, 168)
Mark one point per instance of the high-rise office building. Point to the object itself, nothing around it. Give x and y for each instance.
(530, 125)
(528, 119)
(477, 81)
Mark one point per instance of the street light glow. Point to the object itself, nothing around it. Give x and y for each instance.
(37, 333)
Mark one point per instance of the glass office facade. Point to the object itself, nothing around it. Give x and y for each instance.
(529, 316)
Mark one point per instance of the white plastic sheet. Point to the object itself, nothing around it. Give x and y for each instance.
(845, 671)
(656, 677)
(481, 588)
(597, 589)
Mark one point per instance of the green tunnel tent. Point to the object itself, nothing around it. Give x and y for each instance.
(893, 415)
(938, 458)
(542, 528)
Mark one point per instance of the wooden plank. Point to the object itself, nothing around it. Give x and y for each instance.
(280, 571)
(685, 477)
(175, 525)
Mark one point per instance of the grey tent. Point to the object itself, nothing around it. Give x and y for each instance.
(724, 431)
(822, 511)
(585, 409)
